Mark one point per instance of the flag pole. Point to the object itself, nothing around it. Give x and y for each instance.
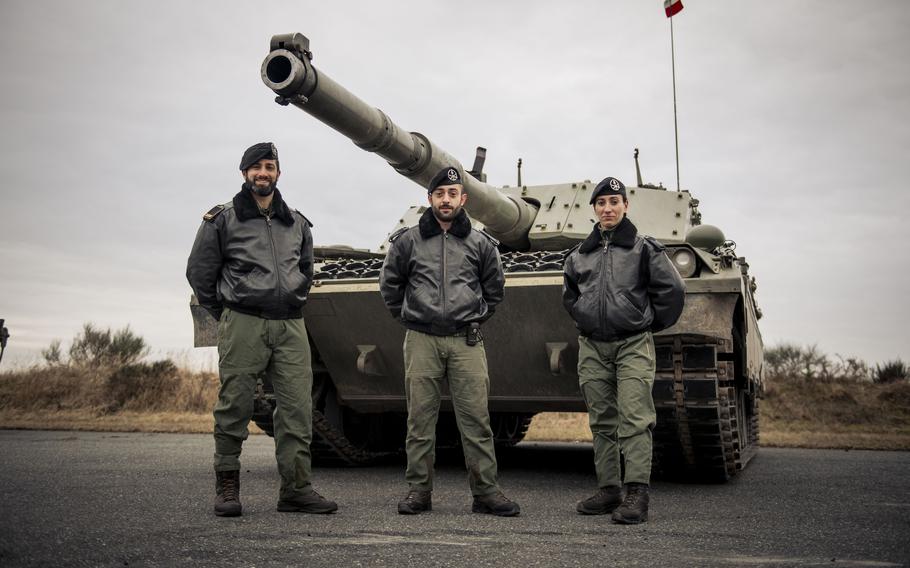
(675, 126)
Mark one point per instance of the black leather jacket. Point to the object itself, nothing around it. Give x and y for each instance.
(439, 282)
(252, 263)
(623, 287)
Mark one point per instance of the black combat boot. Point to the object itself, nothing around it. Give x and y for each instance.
(227, 494)
(606, 500)
(310, 502)
(634, 508)
(416, 502)
(495, 504)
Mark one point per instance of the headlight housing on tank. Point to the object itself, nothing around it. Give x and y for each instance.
(685, 261)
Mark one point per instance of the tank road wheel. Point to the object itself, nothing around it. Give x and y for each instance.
(509, 428)
(264, 406)
(342, 436)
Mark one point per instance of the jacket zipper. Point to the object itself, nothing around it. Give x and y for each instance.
(442, 285)
(603, 277)
(268, 224)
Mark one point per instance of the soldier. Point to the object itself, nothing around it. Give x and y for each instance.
(251, 267)
(441, 280)
(619, 287)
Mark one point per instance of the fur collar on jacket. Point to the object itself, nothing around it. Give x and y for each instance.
(247, 208)
(623, 236)
(429, 226)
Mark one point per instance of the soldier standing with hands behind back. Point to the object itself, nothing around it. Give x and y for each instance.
(619, 287)
(251, 267)
(441, 279)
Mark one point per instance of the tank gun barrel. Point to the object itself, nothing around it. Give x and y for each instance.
(289, 72)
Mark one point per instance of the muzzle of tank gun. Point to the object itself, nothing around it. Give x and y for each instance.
(287, 70)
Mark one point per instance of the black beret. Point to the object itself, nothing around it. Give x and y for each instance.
(256, 152)
(608, 186)
(446, 176)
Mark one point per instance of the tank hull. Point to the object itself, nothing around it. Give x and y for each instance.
(704, 390)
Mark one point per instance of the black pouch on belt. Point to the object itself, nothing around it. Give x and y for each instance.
(474, 336)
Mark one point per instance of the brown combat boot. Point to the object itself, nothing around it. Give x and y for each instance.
(416, 502)
(227, 494)
(495, 504)
(634, 508)
(310, 502)
(606, 500)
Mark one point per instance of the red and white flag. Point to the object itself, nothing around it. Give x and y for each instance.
(672, 7)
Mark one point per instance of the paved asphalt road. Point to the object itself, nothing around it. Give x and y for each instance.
(98, 499)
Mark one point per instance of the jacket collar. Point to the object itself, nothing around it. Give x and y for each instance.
(623, 236)
(429, 226)
(247, 208)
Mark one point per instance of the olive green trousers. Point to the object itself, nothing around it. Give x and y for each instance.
(616, 378)
(247, 347)
(429, 360)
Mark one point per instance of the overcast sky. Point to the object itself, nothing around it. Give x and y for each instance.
(123, 122)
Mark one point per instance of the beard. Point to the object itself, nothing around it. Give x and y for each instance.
(260, 190)
(448, 216)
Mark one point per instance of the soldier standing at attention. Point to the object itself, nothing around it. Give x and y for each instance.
(619, 287)
(251, 267)
(441, 279)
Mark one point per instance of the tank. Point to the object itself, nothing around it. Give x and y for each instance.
(709, 365)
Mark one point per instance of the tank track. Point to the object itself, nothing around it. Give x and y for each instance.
(329, 447)
(711, 440)
(707, 427)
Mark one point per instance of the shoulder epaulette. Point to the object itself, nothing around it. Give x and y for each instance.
(657, 244)
(213, 212)
(489, 236)
(308, 222)
(397, 234)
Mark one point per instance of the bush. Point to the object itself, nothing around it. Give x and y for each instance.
(792, 362)
(53, 355)
(143, 385)
(891, 372)
(96, 348)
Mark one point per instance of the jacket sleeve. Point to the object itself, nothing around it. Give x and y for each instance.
(203, 267)
(393, 279)
(666, 289)
(492, 279)
(570, 291)
(306, 256)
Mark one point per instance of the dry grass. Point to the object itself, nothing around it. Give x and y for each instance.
(159, 397)
(144, 387)
(144, 397)
(559, 427)
(125, 421)
(836, 414)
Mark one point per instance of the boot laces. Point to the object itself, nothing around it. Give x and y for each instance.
(413, 496)
(497, 499)
(229, 488)
(633, 494)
